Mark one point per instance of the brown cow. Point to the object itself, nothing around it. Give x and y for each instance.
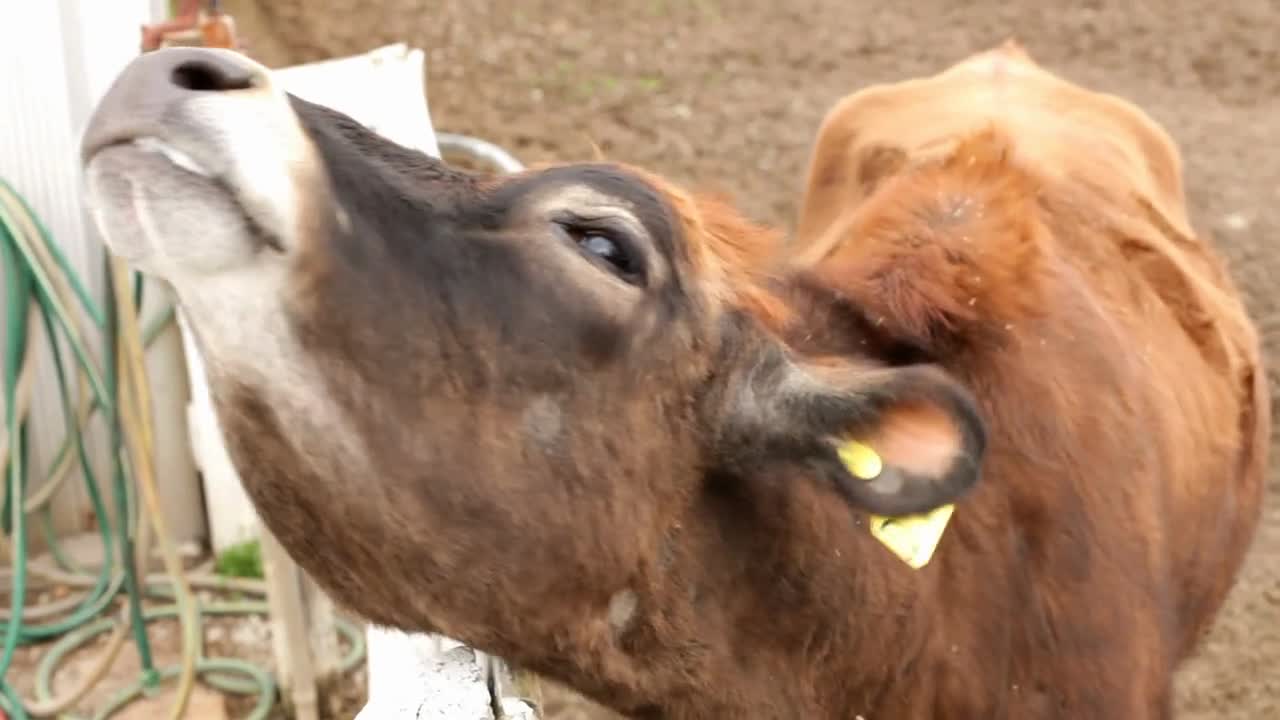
(584, 420)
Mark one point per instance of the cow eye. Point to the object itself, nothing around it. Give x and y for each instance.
(606, 249)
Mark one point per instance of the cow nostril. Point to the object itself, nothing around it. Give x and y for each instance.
(203, 76)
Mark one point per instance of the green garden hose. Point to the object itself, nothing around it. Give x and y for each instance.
(41, 294)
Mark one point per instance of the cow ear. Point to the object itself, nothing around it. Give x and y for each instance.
(889, 440)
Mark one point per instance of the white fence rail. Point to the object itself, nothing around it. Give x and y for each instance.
(415, 677)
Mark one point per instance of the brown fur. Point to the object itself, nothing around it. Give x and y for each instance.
(541, 438)
(1114, 361)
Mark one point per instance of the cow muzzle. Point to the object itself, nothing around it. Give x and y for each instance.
(193, 145)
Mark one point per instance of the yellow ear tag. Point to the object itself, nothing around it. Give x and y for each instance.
(862, 461)
(913, 538)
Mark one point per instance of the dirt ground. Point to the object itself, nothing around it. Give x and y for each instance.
(726, 95)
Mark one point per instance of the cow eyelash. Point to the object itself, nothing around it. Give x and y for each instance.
(607, 248)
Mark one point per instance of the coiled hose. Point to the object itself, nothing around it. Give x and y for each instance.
(41, 293)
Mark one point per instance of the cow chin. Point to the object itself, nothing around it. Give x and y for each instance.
(162, 213)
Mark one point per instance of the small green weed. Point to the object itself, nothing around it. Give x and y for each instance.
(243, 560)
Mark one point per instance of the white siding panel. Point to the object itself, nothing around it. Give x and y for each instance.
(56, 59)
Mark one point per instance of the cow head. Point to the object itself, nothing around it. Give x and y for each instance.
(491, 407)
